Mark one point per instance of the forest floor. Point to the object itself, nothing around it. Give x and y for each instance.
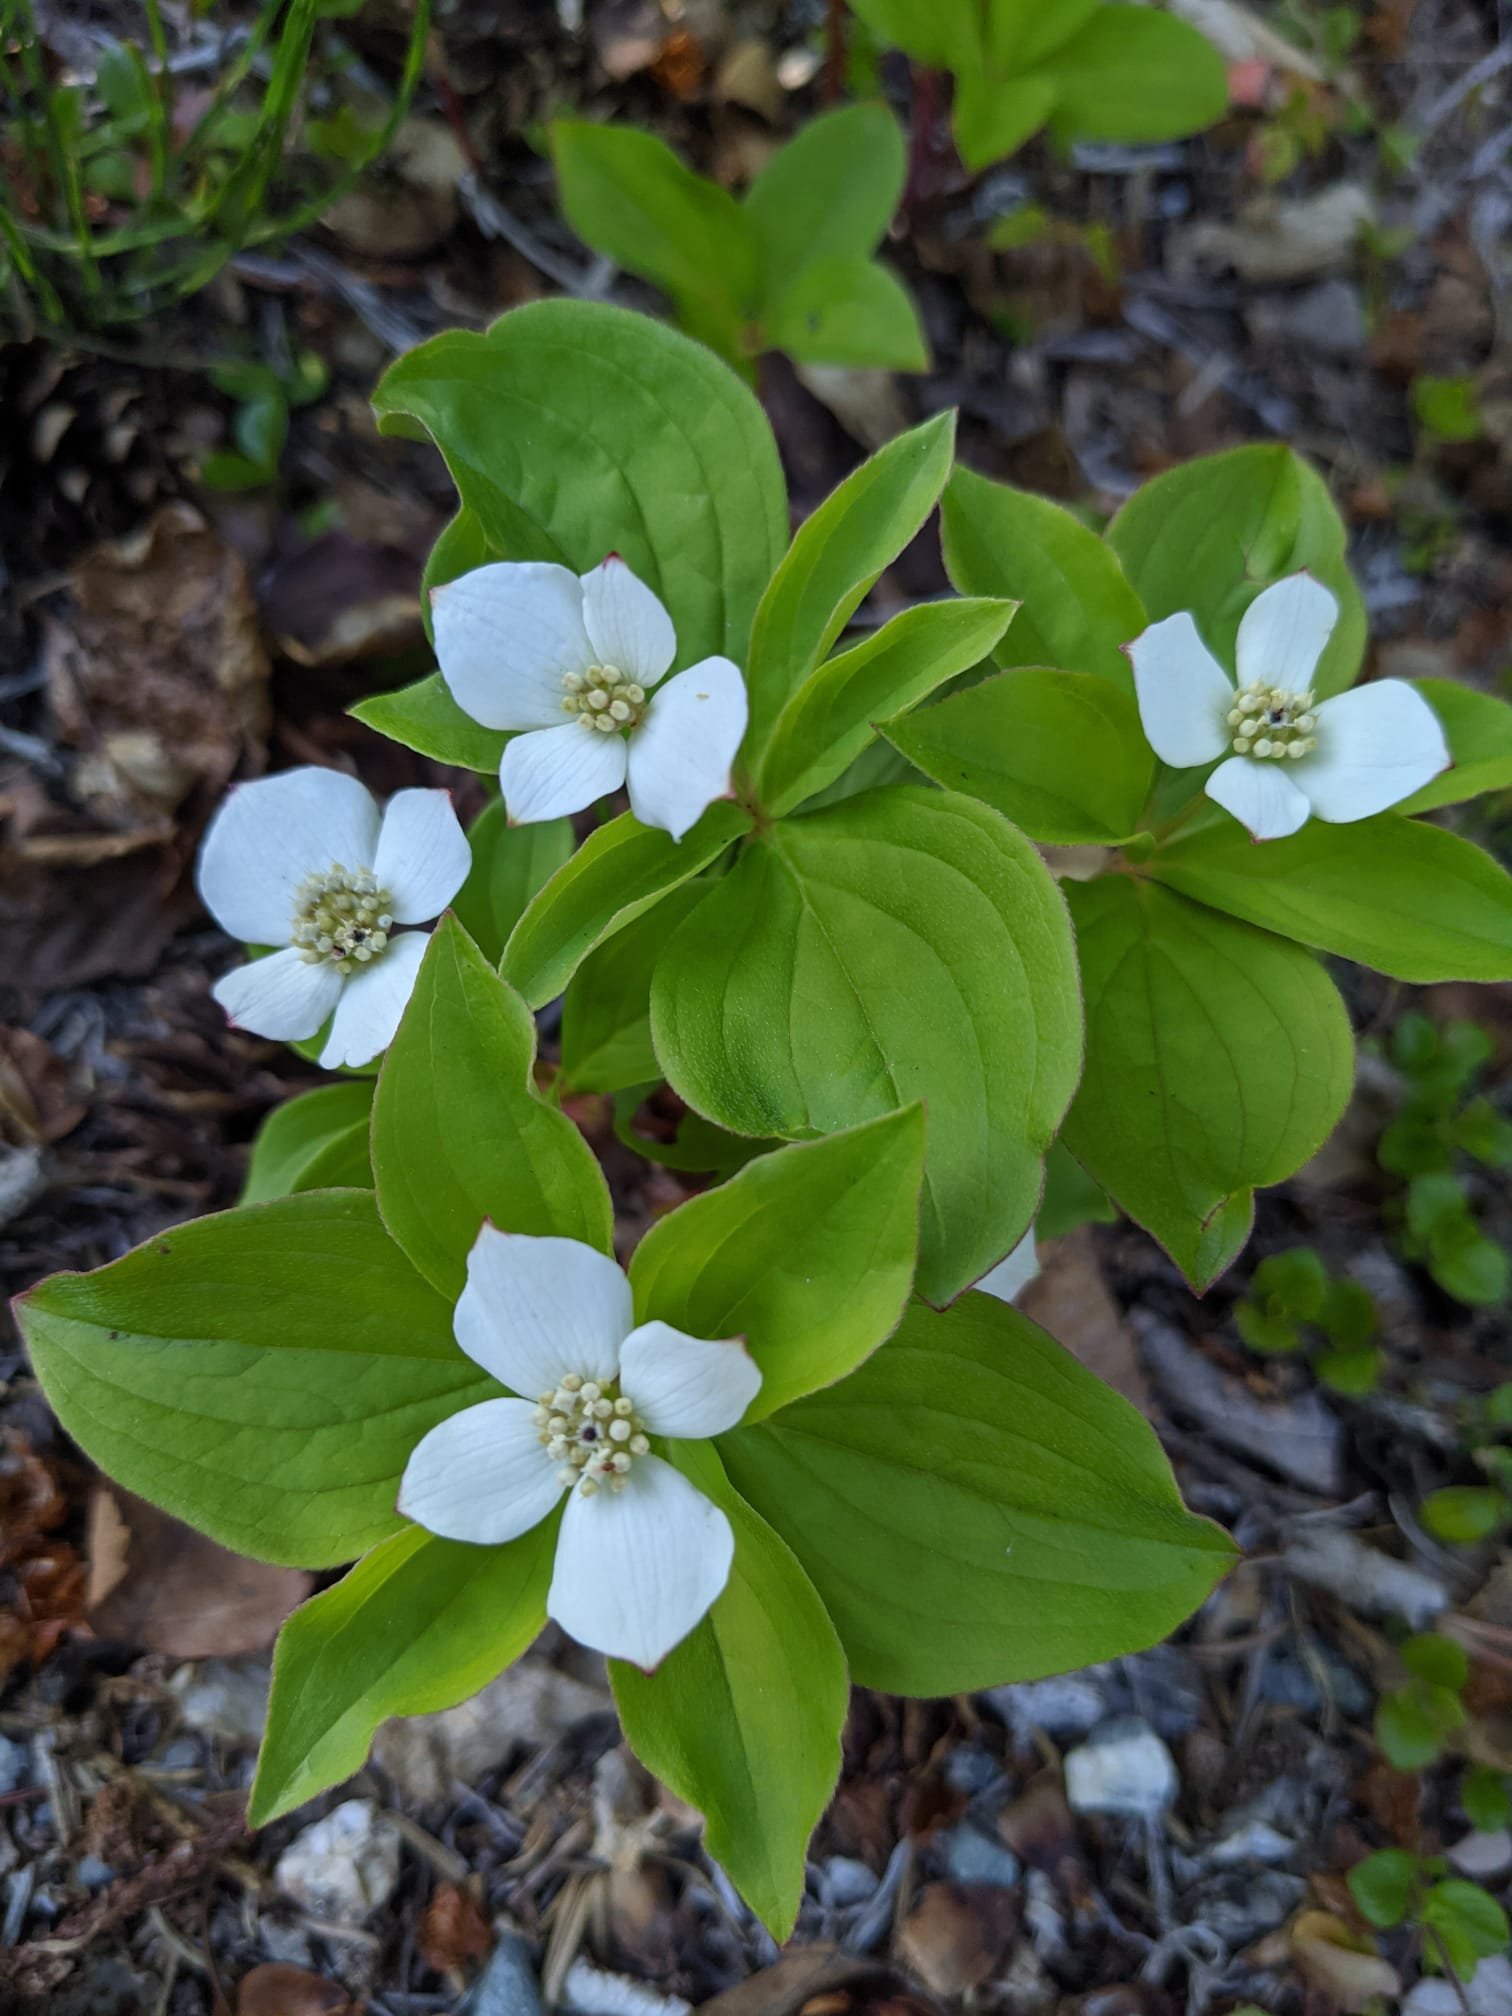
(1318, 269)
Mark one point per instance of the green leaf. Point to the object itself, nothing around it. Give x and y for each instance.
(1400, 895)
(424, 717)
(830, 193)
(1134, 74)
(1484, 1796)
(262, 1374)
(260, 429)
(1077, 608)
(743, 1718)
(606, 1011)
(833, 716)
(460, 1134)
(1218, 1060)
(943, 36)
(808, 1254)
(1428, 1655)
(673, 463)
(1061, 754)
(317, 1141)
(1383, 1886)
(1448, 406)
(1353, 1371)
(1478, 730)
(836, 911)
(1209, 535)
(992, 117)
(974, 1507)
(510, 864)
(1267, 1331)
(1297, 1280)
(617, 874)
(848, 311)
(1469, 1921)
(1465, 1513)
(628, 195)
(833, 562)
(1071, 1197)
(417, 1626)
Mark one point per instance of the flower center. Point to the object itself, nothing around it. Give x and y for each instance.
(603, 698)
(591, 1432)
(1272, 721)
(342, 916)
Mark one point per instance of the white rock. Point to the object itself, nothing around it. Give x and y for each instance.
(226, 1698)
(1483, 1855)
(1487, 1993)
(344, 1866)
(1068, 1705)
(1124, 1769)
(1257, 1841)
(530, 1703)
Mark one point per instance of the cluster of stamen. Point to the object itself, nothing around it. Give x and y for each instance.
(603, 698)
(1272, 721)
(342, 916)
(591, 1433)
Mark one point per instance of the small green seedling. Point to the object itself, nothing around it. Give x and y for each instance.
(1295, 1304)
(1414, 1722)
(1442, 1124)
(790, 267)
(1084, 70)
(1466, 1513)
(1460, 1924)
(260, 425)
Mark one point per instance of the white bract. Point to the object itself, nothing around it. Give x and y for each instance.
(641, 1553)
(1289, 754)
(305, 862)
(571, 662)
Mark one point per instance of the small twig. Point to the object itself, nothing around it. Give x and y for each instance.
(1490, 65)
(494, 221)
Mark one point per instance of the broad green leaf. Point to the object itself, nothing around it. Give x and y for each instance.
(1071, 1197)
(424, 717)
(615, 876)
(1383, 1885)
(743, 1718)
(808, 1254)
(460, 1134)
(992, 117)
(877, 765)
(262, 1374)
(833, 716)
(1208, 535)
(673, 465)
(461, 547)
(628, 195)
(1469, 1923)
(848, 311)
(1218, 1060)
(904, 945)
(1061, 754)
(942, 33)
(510, 864)
(830, 193)
(1397, 894)
(974, 1507)
(1022, 33)
(1076, 610)
(1134, 74)
(833, 561)
(606, 1011)
(1478, 729)
(316, 1141)
(418, 1625)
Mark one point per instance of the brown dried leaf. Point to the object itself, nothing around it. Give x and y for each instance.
(159, 1585)
(38, 1098)
(1070, 1299)
(277, 1989)
(453, 1930)
(956, 1935)
(1340, 1965)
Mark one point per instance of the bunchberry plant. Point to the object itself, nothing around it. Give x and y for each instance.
(790, 266)
(789, 1445)
(1464, 1514)
(1294, 1304)
(1084, 69)
(1459, 1923)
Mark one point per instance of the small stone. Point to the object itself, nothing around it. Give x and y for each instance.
(970, 1770)
(93, 1874)
(344, 1866)
(1483, 1856)
(1488, 1992)
(849, 1881)
(225, 1698)
(1256, 1842)
(1124, 1769)
(1068, 1705)
(15, 1765)
(974, 1857)
(529, 1704)
(508, 1985)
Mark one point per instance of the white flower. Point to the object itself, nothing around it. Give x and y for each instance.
(1008, 1280)
(1289, 755)
(527, 645)
(303, 861)
(641, 1553)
